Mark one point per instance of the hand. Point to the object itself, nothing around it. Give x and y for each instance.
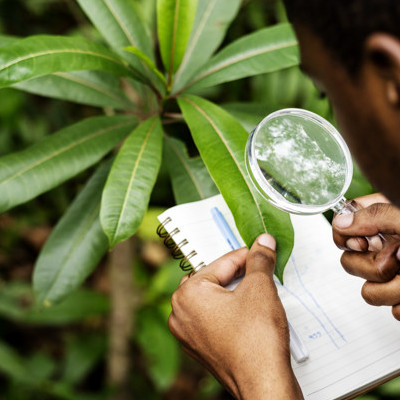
(376, 262)
(241, 336)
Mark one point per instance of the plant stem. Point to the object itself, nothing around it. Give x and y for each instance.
(121, 318)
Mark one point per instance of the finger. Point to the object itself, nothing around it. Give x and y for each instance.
(377, 218)
(190, 352)
(226, 268)
(371, 243)
(262, 256)
(396, 311)
(172, 325)
(371, 266)
(366, 201)
(382, 294)
(184, 279)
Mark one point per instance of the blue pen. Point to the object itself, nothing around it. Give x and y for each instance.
(225, 229)
(297, 347)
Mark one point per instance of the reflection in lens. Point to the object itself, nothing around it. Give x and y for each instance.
(300, 161)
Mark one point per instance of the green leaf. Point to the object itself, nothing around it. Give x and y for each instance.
(165, 281)
(212, 20)
(40, 366)
(174, 23)
(79, 306)
(248, 114)
(131, 180)
(12, 364)
(41, 55)
(41, 167)
(266, 50)
(82, 353)
(5, 40)
(221, 141)
(121, 26)
(17, 304)
(160, 348)
(94, 88)
(391, 388)
(150, 64)
(75, 246)
(359, 185)
(190, 178)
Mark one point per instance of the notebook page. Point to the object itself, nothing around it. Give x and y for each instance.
(351, 343)
(197, 226)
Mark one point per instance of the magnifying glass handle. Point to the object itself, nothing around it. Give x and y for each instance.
(351, 206)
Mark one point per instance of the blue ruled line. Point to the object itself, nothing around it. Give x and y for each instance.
(315, 301)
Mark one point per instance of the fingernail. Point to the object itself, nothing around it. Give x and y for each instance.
(344, 220)
(398, 254)
(267, 240)
(353, 244)
(375, 243)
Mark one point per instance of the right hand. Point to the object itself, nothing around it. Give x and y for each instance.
(241, 336)
(378, 263)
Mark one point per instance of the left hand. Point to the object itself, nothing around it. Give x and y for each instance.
(378, 263)
(241, 336)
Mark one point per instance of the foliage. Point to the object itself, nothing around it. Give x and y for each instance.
(150, 77)
(86, 71)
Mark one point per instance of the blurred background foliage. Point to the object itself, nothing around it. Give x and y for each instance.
(61, 352)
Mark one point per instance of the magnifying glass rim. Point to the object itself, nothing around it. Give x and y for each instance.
(271, 194)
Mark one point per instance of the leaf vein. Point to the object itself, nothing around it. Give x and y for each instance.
(48, 52)
(92, 86)
(190, 173)
(175, 27)
(78, 240)
(62, 150)
(121, 24)
(134, 171)
(221, 136)
(196, 38)
(234, 60)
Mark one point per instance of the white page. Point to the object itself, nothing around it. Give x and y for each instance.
(196, 224)
(351, 344)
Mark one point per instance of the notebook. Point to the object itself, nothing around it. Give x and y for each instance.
(352, 346)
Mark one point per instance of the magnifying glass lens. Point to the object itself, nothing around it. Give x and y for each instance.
(298, 161)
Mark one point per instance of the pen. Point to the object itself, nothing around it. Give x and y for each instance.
(224, 228)
(297, 347)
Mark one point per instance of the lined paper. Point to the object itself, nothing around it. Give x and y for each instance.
(352, 345)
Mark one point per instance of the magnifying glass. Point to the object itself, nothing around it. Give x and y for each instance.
(300, 163)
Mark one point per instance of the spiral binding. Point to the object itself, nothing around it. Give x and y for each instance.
(175, 248)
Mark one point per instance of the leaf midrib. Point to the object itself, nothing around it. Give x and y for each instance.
(186, 166)
(120, 24)
(174, 30)
(92, 86)
(234, 60)
(230, 152)
(126, 33)
(78, 240)
(196, 38)
(64, 149)
(49, 52)
(134, 171)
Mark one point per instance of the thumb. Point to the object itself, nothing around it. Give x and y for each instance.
(262, 256)
(366, 222)
(223, 270)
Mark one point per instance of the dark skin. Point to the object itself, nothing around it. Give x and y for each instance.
(367, 107)
(242, 336)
